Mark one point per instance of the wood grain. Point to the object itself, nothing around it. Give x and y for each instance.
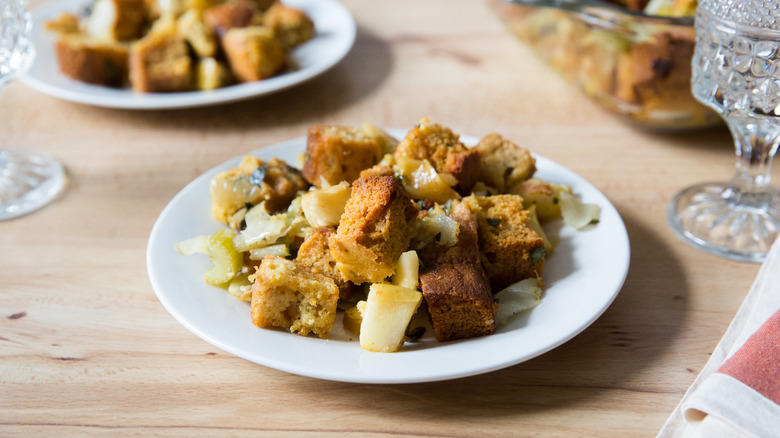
(87, 350)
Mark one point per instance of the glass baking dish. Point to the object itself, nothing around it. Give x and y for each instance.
(631, 63)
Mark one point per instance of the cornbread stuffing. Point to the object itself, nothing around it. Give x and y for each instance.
(393, 241)
(159, 46)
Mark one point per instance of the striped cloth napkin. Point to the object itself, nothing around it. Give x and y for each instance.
(737, 394)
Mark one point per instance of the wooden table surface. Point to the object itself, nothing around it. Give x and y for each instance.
(86, 349)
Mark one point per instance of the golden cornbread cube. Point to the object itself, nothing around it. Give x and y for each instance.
(455, 286)
(252, 182)
(229, 15)
(459, 300)
(160, 62)
(291, 26)
(253, 53)
(510, 249)
(374, 229)
(544, 195)
(443, 149)
(64, 24)
(117, 20)
(338, 153)
(377, 170)
(503, 164)
(91, 61)
(650, 73)
(314, 254)
(287, 295)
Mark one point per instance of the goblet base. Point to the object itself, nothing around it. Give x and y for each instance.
(28, 181)
(721, 220)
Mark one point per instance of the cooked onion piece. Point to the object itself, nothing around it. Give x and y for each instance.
(576, 213)
(521, 296)
(324, 207)
(533, 222)
(226, 261)
(436, 227)
(407, 271)
(422, 181)
(241, 287)
(389, 309)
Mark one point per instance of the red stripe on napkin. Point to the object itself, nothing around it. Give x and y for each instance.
(757, 362)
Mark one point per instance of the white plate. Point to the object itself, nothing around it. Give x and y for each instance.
(335, 34)
(582, 277)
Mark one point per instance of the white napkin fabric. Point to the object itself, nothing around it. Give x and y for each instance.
(737, 394)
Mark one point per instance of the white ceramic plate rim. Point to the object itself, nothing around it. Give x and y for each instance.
(583, 276)
(336, 32)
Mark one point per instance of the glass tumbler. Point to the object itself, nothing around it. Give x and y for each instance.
(736, 71)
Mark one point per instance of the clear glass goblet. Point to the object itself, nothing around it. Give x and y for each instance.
(736, 71)
(28, 180)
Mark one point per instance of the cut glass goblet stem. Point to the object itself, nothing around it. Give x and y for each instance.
(28, 180)
(735, 72)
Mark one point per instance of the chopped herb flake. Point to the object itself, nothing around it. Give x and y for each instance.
(538, 254)
(415, 333)
(493, 222)
(258, 176)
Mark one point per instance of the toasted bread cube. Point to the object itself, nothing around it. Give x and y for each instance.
(459, 301)
(291, 26)
(443, 149)
(510, 249)
(314, 254)
(504, 164)
(252, 182)
(286, 295)
(374, 229)
(649, 73)
(230, 15)
(377, 170)
(64, 24)
(253, 53)
(455, 286)
(338, 153)
(117, 20)
(160, 62)
(92, 61)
